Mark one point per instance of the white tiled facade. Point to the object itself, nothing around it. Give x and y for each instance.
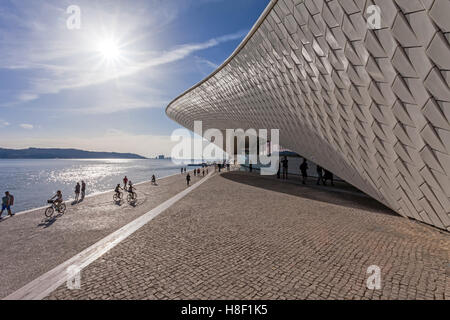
(370, 105)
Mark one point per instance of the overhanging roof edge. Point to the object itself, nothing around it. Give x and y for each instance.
(235, 52)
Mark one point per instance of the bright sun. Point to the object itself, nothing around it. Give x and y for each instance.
(109, 49)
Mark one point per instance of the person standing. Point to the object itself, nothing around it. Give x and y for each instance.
(125, 182)
(7, 203)
(188, 179)
(154, 179)
(328, 176)
(181, 170)
(285, 168)
(195, 172)
(304, 170)
(319, 170)
(77, 191)
(279, 170)
(83, 189)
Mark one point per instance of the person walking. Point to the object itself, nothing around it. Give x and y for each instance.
(195, 172)
(154, 179)
(304, 170)
(188, 179)
(319, 170)
(203, 172)
(77, 192)
(7, 203)
(182, 169)
(125, 182)
(83, 189)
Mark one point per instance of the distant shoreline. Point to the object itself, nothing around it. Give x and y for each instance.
(81, 159)
(70, 154)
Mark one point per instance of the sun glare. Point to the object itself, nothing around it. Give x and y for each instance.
(110, 50)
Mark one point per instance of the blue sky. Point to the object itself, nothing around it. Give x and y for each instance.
(105, 87)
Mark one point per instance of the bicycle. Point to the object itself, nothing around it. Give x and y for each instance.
(132, 197)
(51, 210)
(118, 197)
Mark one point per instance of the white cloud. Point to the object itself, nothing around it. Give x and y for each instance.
(3, 123)
(207, 62)
(27, 126)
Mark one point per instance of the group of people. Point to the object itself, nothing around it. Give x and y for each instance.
(57, 199)
(323, 175)
(129, 183)
(80, 189)
(220, 166)
(197, 173)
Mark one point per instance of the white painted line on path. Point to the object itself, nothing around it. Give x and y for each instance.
(50, 281)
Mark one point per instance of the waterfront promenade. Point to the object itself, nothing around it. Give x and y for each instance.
(241, 236)
(33, 244)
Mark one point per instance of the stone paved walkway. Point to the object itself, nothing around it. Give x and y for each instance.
(241, 236)
(33, 244)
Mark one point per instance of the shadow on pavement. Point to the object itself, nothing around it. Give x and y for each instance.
(312, 191)
(47, 223)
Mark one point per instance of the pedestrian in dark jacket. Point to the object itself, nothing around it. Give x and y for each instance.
(304, 171)
(188, 179)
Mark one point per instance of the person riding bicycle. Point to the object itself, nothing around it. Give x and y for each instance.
(131, 192)
(130, 187)
(58, 198)
(117, 190)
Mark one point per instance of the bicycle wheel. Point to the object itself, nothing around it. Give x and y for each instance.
(132, 197)
(62, 208)
(116, 198)
(49, 212)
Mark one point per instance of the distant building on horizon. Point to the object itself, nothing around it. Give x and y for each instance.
(161, 157)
